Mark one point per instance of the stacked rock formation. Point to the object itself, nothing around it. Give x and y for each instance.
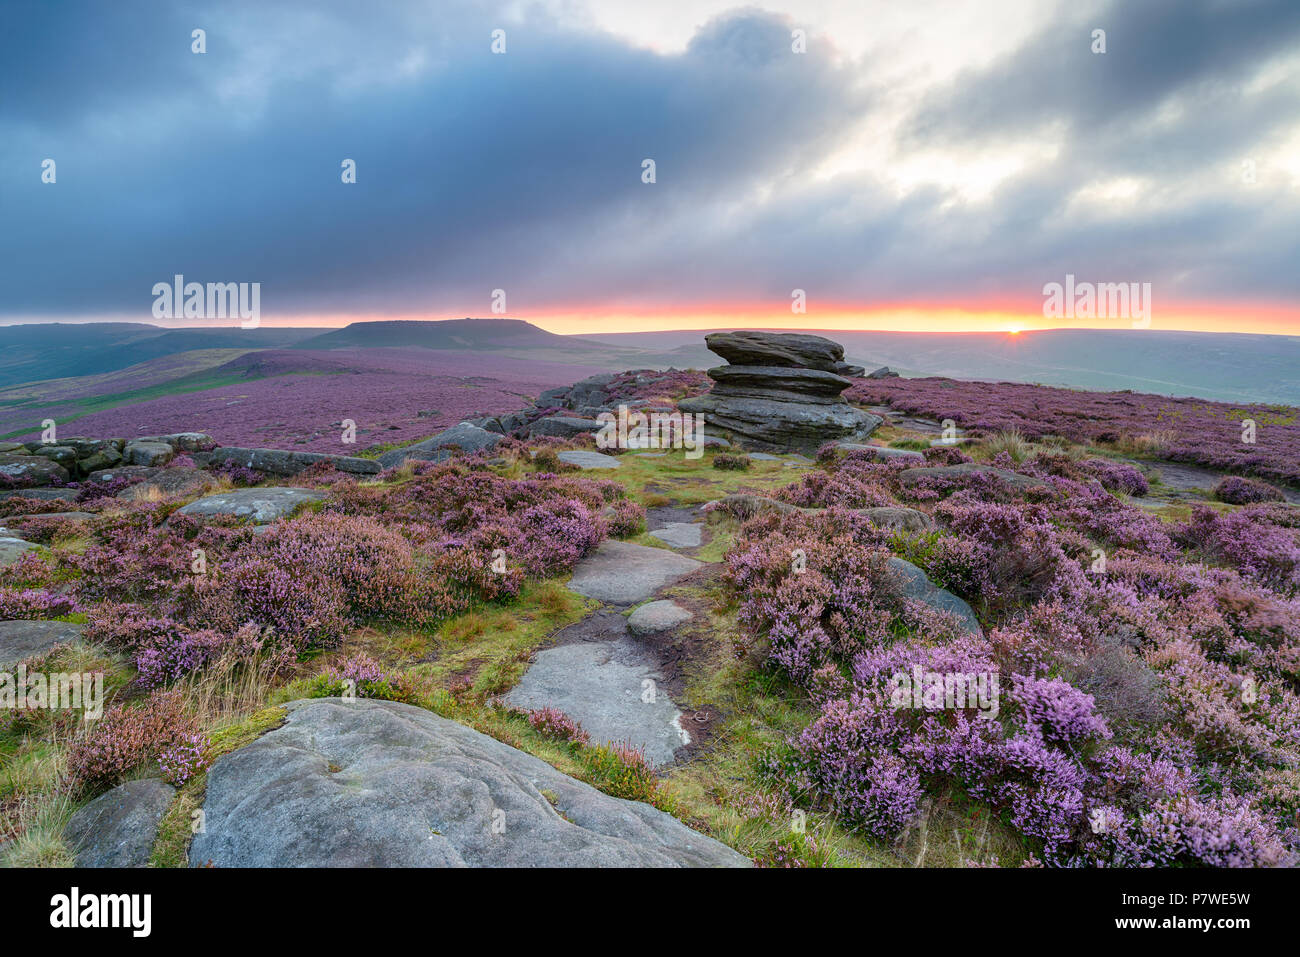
(780, 391)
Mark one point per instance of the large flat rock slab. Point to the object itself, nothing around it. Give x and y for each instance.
(623, 574)
(258, 504)
(22, 639)
(118, 828)
(611, 688)
(380, 784)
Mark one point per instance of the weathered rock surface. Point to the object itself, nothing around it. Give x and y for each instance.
(12, 549)
(173, 481)
(881, 451)
(623, 574)
(144, 452)
(42, 494)
(381, 784)
(285, 462)
(602, 685)
(679, 534)
(656, 616)
(909, 477)
(588, 460)
(774, 382)
(884, 372)
(32, 469)
(563, 426)
(917, 585)
(779, 392)
(463, 436)
(22, 639)
(898, 518)
(257, 504)
(118, 828)
(794, 350)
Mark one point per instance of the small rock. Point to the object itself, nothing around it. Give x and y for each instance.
(898, 518)
(917, 585)
(656, 616)
(118, 828)
(564, 426)
(909, 477)
(144, 452)
(881, 451)
(464, 436)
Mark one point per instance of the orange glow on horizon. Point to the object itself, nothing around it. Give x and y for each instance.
(1268, 319)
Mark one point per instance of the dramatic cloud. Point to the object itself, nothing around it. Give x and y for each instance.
(924, 159)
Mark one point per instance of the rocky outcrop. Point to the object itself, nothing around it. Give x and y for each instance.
(31, 470)
(465, 436)
(780, 391)
(283, 462)
(76, 457)
(563, 426)
(381, 784)
(884, 372)
(118, 828)
(257, 504)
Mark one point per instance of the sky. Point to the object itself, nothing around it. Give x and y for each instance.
(927, 165)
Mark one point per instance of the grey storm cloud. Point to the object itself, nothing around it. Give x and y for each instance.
(523, 171)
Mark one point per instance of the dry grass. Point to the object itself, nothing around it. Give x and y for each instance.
(1010, 441)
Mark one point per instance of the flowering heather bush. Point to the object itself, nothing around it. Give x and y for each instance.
(183, 757)
(627, 518)
(127, 736)
(1260, 551)
(842, 601)
(1199, 431)
(366, 678)
(34, 604)
(1155, 697)
(46, 529)
(1236, 490)
(102, 491)
(1116, 476)
(239, 475)
(553, 723)
(623, 771)
(852, 481)
(645, 386)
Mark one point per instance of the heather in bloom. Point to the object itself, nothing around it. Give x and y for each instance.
(553, 723)
(126, 737)
(1236, 490)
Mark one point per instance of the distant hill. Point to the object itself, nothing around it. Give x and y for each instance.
(1224, 366)
(57, 350)
(476, 335)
